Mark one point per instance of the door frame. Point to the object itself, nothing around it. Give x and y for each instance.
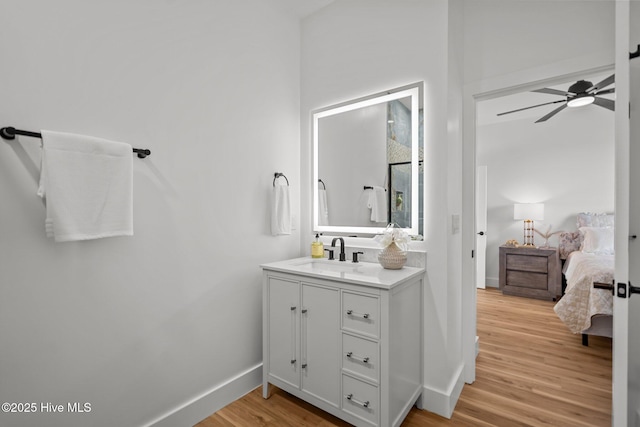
(621, 416)
(473, 93)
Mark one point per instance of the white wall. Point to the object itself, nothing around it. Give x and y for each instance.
(567, 163)
(356, 48)
(140, 326)
(506, 36)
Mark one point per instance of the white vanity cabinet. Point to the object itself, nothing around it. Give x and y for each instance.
(301, 322)
(348, 342)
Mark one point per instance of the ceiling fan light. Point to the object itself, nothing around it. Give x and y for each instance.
(580, 101)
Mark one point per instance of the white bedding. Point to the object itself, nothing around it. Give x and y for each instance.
(581, 301)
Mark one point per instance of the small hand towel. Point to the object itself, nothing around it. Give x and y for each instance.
(323, 210)
(88, 186)
(280, 210)
(378, 204)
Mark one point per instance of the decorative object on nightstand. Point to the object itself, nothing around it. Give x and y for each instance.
(546, 235)
(511, 243)
(528, 212)
(530, 272)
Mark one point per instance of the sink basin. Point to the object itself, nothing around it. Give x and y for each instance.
(321, 265)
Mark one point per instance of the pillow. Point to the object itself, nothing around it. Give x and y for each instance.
(597, 240)
(589, 219)
(569, 241)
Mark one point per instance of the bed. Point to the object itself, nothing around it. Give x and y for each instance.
(587, 257)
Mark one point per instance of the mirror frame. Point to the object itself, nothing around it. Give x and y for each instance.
(414, 91)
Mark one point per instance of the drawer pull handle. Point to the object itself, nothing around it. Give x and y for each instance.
(365, 359)
(353, 313)
(358, 402)
(304, 366)
(293, 361)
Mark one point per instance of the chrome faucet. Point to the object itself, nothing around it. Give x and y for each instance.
(343, 257)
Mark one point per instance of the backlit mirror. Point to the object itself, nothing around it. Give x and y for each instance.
(367, 162)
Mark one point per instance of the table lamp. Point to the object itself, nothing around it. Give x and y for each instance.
(528, 212)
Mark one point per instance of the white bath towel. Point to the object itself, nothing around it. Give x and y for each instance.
(280, 210)
(378, 204)
(323, 209)
(88, 186)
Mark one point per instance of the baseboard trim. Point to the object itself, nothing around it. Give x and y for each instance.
(200, 407)
(444, 402)
(492, 282)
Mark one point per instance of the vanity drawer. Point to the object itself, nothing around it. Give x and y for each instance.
(361, 356)
(360, 399)
(361, 313)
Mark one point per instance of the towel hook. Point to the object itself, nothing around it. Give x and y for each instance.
(278, 175)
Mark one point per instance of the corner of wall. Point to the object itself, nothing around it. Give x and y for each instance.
(444, 402)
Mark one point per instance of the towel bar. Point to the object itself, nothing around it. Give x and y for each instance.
(11, 132)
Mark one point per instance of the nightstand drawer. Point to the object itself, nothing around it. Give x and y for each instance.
(527, 263)
(523, 279)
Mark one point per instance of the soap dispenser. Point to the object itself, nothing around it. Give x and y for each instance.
(317, 248)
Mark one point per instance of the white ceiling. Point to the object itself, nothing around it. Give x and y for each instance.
(486, 112)
(303, 8)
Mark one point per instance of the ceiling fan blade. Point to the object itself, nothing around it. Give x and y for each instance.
(551, 91)
(604, 92)
(606, 103)
(533, 106)
(606, 82)
(551, 114)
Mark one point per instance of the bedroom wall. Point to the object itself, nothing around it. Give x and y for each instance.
(566, 163)
(141, 326)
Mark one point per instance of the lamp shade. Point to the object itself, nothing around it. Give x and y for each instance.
(533, 211)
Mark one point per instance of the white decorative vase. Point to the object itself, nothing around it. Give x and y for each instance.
(392, 257)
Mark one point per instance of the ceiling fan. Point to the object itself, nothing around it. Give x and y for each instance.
(579, 94)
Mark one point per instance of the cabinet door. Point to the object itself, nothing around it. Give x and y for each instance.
(320, 317)
(284, 331)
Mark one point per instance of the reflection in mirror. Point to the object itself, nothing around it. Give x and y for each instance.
(367, 164)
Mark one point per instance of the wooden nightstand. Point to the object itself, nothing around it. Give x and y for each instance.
(530, 272)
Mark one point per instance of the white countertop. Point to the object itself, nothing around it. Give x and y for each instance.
(360, 273)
